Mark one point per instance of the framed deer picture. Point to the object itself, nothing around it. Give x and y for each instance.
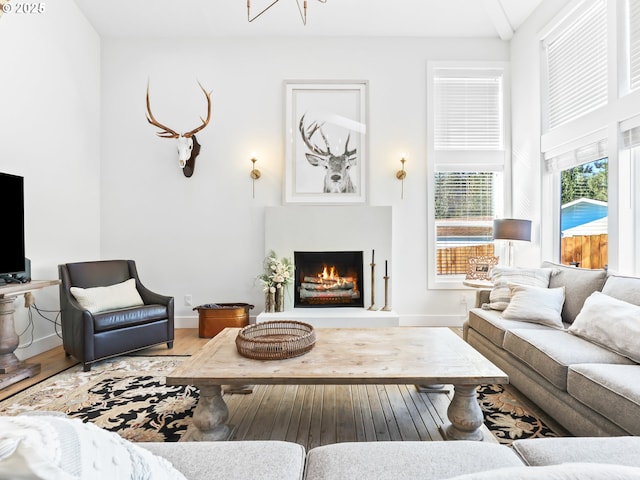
(326, 142)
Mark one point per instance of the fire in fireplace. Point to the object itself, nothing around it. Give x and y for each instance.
(328, 279)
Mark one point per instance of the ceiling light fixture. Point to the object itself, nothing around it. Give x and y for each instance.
(302, 9)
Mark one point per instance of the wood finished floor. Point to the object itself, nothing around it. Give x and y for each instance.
(314, 415)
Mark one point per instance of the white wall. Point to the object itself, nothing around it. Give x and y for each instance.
(204, 235)
(50, 134)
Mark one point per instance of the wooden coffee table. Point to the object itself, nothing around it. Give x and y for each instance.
(344, 356)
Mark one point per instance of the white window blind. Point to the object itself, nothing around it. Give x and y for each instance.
(576, 56)
(468, 109)
(630, 131)
(465, 206)
(634, 43)
(589, 152)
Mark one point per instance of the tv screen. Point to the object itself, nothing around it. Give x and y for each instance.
(12, 251)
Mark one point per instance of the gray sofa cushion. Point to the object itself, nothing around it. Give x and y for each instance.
(492, 326)
(579, 283)
(550, 352)
(566, 471)
(406, 460)
(266, 460)
(623, 288)
(611, 390)
(553, 451)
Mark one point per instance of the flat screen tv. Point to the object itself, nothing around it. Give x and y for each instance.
(12, 259)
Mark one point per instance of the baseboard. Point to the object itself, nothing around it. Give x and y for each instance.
(432, 320)
(38, 346)
(185, 322)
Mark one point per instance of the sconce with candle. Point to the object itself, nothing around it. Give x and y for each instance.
(255, 175)
(401, 175)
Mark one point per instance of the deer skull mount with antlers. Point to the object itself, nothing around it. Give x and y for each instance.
(337, 178)
(188, 146)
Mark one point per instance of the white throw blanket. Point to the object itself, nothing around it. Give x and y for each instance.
(54, 447)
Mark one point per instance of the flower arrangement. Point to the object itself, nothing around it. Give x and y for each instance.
(278, 272)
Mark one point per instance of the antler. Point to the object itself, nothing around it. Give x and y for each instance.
(166, 131)
(348, 152)
(306, 136)
(204, 122)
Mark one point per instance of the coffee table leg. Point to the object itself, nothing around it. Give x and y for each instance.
(464, 414)
(209, 417)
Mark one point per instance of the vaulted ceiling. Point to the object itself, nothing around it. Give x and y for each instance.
(214, 18)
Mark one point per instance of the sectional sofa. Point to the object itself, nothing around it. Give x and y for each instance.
(52, 446)
(588, 383)
(565, 458)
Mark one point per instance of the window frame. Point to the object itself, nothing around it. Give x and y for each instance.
(463, 160)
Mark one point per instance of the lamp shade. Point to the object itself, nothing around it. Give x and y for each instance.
(512, 229)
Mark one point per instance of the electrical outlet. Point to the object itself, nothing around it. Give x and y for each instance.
(188, 300)
(463, 300)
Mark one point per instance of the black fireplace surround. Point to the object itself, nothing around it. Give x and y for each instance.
(328, 279)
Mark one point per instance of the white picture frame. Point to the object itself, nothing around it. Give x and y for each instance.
(324, 168)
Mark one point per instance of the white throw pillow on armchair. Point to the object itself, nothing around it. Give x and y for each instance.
(112, 297)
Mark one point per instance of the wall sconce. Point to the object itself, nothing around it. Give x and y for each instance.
(401, 175)
(255, 175)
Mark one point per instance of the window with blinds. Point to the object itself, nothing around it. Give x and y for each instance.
(633, 18)
(576, 63)
(465, 206)
(467, 122)
(468, 109)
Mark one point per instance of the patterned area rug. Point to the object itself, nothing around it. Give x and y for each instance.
(508, 418)
(128, 395)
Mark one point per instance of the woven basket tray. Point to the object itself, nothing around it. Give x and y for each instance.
(275, 340)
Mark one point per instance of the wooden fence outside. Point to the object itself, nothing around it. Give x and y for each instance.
(587, 251)
(454, 260)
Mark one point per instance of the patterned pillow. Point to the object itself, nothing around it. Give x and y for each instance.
(503, 277)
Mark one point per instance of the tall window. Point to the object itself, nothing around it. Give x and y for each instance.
(575, 55)
(584, 214)
(467, 149)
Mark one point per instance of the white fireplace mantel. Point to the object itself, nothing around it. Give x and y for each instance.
(338, 317)
(293, 228)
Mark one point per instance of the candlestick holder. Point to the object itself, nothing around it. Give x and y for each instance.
(387, 307)
(373, 286)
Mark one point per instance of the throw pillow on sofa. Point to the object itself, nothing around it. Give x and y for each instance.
(53, 446)
(503, 277)
(536, 305)
(611, 323)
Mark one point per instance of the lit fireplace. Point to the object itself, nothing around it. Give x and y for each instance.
(328, 279)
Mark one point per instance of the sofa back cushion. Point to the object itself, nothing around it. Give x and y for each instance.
(504, 277)
(626, 289)
(579, 283)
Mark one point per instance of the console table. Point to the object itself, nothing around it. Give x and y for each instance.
(13, 370)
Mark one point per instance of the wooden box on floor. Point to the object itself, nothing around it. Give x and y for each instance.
(215, 317)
